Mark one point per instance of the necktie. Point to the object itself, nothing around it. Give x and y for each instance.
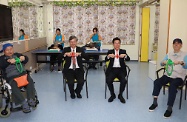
(117, 55)
(74, 60)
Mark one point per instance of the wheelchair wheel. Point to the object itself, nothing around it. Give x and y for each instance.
(4, 113)
(37, 102)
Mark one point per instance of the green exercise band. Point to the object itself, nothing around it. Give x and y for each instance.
(18, 62)
(171, 64)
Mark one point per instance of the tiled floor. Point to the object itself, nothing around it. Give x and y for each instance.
(53, 107)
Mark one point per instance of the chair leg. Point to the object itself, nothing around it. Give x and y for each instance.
(65, 91)
(164, 90)
(185, 93)
(127, 90)
(86, 88)
(180, 99)
(105, 89)
(64, 84)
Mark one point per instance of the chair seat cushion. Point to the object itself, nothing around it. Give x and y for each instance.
(168, 84)
(116, 80)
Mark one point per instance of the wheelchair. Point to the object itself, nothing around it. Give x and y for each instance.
(7, 99)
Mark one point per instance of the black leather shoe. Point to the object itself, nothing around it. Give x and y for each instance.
(89, 67)
(94, 67)
(51, 68)
(122, 100)
(79, 95)
(112, 97)
(72, 96)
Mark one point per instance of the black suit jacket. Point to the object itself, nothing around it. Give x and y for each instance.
(121, 60)
(79, 58)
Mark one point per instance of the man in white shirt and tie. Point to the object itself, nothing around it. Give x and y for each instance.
(116, 69)
(73, 68)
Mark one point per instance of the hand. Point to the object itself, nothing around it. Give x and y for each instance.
(111, 55)
(176, 62)
(164, 62)
(181, 63)
(67, 54)
(122, 55)
(22, 58)
(77, 54)
(12, 61)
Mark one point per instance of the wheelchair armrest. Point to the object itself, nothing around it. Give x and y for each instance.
(28, 71)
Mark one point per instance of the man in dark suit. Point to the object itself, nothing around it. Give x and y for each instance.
(73, 68)
(116, 69)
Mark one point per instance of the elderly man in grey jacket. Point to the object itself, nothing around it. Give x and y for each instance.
(175, 79)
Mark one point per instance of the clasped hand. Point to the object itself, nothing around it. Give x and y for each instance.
(113, 56)
(70, 54)
(175, 62)
(12, 60)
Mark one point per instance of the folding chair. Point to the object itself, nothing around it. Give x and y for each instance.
(162, 71)
(75, 81)
(116, 79)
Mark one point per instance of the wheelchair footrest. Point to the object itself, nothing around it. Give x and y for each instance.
(16, 109)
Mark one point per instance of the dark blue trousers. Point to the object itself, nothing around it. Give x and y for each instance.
(174, 83)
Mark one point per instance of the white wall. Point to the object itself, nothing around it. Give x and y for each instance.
(177, 26)
(4, 2)
(163, 30)
(178, 23)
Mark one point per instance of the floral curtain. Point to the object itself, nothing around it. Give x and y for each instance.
(112, 21)
(25, 18)
(157, 17)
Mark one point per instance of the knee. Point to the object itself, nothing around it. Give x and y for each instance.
(81, 82)
(13, 85)
(172, 86)
(30, 80)
(124, 81)
(109, 81)
(156, 82)
(70, 82)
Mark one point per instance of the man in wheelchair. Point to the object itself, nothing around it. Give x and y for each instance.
(12, 65)
(175, 78)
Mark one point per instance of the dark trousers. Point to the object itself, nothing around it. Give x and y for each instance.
(71, 75)
(16, 92)
(116, 73)
(55, 58)
(174, 83)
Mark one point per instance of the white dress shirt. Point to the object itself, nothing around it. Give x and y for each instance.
(116, 60)
(71, 66)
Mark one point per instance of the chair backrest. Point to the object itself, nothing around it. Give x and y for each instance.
(160, 72)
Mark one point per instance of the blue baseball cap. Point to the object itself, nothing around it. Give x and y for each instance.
(5, 46)
(177, 40)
